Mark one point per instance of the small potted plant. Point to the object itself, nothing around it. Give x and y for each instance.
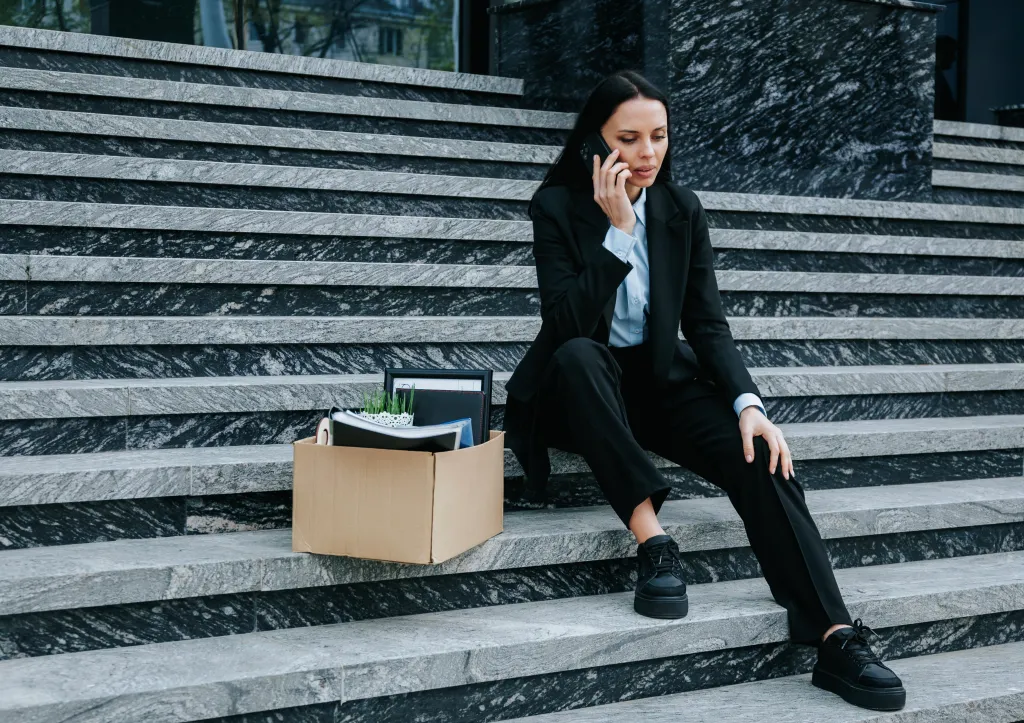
(390, 410)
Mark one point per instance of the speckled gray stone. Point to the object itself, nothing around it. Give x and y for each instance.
(140, 330)
(214, 395)
(234, 674)
(126, 571)
(230, 220)
(764, 240)
(57, 121)
(43, 479)
(107, 269)
(273, 62)
(984, 131)
(979, 181)
(55, 81)
(79, 165)
(979, 154)
(982, 685)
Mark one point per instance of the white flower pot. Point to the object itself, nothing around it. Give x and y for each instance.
(388, 419)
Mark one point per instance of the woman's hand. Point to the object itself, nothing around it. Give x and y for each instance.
(752, 424)
(610, 191)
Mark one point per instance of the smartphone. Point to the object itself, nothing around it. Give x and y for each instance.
(594, 145)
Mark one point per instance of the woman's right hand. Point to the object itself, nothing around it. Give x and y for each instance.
(610, 192)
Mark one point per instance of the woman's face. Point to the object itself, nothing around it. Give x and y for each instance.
(639, 129)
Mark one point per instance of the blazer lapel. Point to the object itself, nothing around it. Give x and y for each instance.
(591, 226)
(668, 251)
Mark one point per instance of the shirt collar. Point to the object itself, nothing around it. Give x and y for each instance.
(639, 206)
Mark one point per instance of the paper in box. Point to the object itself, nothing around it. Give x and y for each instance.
(396, 505)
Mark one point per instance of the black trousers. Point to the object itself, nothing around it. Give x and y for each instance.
(597, 401)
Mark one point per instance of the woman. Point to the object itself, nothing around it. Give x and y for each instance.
(624, 261)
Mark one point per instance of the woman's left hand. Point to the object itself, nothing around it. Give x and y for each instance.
(752, 424)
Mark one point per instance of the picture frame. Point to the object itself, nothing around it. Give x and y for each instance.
(468, 380)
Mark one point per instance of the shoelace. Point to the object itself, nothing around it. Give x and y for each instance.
(860, 651)
(664, 562)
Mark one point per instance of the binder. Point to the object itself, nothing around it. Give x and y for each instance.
(437, 406)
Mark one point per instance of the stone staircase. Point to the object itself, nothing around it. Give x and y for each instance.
(201, 250)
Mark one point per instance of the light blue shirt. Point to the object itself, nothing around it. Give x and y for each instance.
(632, 298)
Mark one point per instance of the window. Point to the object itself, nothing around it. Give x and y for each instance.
(389, 41)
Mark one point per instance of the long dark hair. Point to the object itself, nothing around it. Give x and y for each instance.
(606, 96)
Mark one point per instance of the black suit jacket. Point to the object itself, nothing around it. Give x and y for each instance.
(578, 278)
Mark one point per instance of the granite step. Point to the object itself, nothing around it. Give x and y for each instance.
(361, 238)
(982, 188)
(978, 134)
(969, 686)
(136, 136)
(38, 348)
(33, 480)
(86, 53)
(79, 228)
(91, 93)
(103, 415)
(99, 595)
(520, 647)
(69, 177)
(102, 286)
(213, 395)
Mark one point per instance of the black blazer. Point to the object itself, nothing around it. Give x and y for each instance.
(578, 278)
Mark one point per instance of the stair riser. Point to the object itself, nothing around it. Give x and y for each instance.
(281, 118)
(36, 188)
(55, 240)
(191, 73)
(864, 225)
(977, 197)
(536, 694)
(36, 436)
(113, 626)
(864, 263)
(223, 153)
(157, 362)
(79, 522)
(150, 299)
(1005, 169)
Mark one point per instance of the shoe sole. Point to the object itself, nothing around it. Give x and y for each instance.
(661, 607)
(886, 699)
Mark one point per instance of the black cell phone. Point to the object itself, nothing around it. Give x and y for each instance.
(594, 145)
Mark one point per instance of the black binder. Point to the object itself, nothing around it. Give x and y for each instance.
(436, 406)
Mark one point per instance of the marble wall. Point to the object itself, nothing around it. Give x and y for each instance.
(800, 97)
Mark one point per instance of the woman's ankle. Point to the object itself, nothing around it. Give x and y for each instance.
(644, 523)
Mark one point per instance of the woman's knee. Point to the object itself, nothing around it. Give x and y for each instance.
(580, 352)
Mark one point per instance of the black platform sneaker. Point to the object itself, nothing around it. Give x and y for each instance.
(660, 590)
(848, 667)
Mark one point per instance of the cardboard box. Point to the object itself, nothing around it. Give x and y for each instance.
(395, 505)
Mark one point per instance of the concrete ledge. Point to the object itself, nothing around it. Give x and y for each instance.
(140, 330)
(980, 154)
(226, 395)
(235, 674)
(127, 571)
(61, 42)
(979, 181)
(978, 130)
(969, 686)
(49, 479)
(171, 129)
(169, 91)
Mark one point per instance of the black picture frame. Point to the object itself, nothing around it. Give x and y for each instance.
(439, 376)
